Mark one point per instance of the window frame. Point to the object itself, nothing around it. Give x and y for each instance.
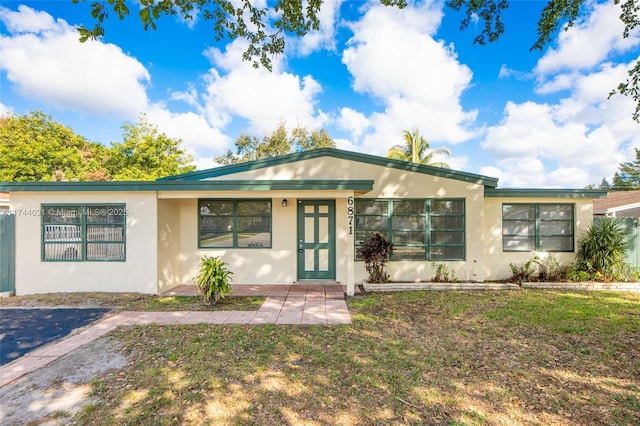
(84, 208)
(537, 221)
(427, 215)
(235, 220)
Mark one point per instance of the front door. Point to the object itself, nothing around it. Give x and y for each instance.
(316, 240)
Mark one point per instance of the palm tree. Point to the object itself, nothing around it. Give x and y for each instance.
(416, 150)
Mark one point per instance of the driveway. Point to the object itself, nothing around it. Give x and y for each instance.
(23, 330)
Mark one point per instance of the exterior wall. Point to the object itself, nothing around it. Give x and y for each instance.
(169, 232)
(275, 265)
(496, 265)
(389, 183)
(137, 274)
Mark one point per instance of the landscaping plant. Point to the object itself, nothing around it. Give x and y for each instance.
(442, 273)
(213, 279)
(602, 249)
(375, 252)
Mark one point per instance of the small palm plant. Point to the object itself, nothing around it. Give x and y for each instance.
(603, 247)
(213, 279)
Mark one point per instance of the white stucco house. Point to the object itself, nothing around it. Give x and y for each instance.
(283, 220)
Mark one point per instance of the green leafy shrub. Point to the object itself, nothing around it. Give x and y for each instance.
(442, 274)
(213, 279)
(550, 269)
(602, 249)
(521, 272)
(375, 252)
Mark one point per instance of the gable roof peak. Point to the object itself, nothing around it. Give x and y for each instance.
(334, 153)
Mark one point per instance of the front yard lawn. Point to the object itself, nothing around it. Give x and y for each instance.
(133, 302)
(454, 358)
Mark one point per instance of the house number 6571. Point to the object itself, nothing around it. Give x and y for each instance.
(350, 214)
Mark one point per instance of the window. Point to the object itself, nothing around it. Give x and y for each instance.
(234, 223)
(532, 227)
(88, 232)
(430, 229)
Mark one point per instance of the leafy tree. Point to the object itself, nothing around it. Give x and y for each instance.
(280, 142)
(146, 154)
(628, 175)
(34, 147)
(416, 150)
(265, 25)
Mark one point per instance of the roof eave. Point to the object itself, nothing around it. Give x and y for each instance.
(544, 193)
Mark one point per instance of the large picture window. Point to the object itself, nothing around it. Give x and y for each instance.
(234, 223)
(87, 232)
(425, 229)
(537, 227)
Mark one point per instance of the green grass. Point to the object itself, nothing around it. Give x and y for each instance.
(465, 358)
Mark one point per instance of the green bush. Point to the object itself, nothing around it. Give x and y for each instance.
(602, 249)
(442, 273)
(375, 252)
(213, 279)
(548, 269)
(522, 272)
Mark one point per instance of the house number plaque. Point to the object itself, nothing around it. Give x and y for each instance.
(350, 214)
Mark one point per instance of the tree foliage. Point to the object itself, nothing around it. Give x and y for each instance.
(416, 149)
(265, 25)
(34, 147)
(146, 154)
(279, 142)
(628, 175)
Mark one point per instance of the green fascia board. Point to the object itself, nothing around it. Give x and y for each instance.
(214, 185)
(335, 153)
(545, 193)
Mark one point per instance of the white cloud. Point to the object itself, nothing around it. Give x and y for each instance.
(589, 41)
(261, 97)
(575, 142)
(5, 110)
(582, 137)
(46, 62)
(324, 37)
(199, 137)
(353, 121)
(26, 20)
(394, 58)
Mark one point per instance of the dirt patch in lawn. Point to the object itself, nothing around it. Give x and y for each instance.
(132, 302)
(61, 389)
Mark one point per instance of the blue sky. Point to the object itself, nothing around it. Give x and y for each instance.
(531, 119)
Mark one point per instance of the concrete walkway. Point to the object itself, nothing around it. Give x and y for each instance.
(294, 305)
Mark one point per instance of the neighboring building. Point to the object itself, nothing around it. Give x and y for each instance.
(4, 200)
(618, 204)
(299, 217)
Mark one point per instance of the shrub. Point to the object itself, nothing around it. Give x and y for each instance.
(443, 275)
(375, 252)
(213, 279)
(550, 269)
(521, 272)
(602, 249)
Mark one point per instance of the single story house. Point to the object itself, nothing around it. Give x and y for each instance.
(618, 204)
(281, 220)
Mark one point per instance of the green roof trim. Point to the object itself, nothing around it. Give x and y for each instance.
(335, 153)
(210, 185)
(548, 193)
